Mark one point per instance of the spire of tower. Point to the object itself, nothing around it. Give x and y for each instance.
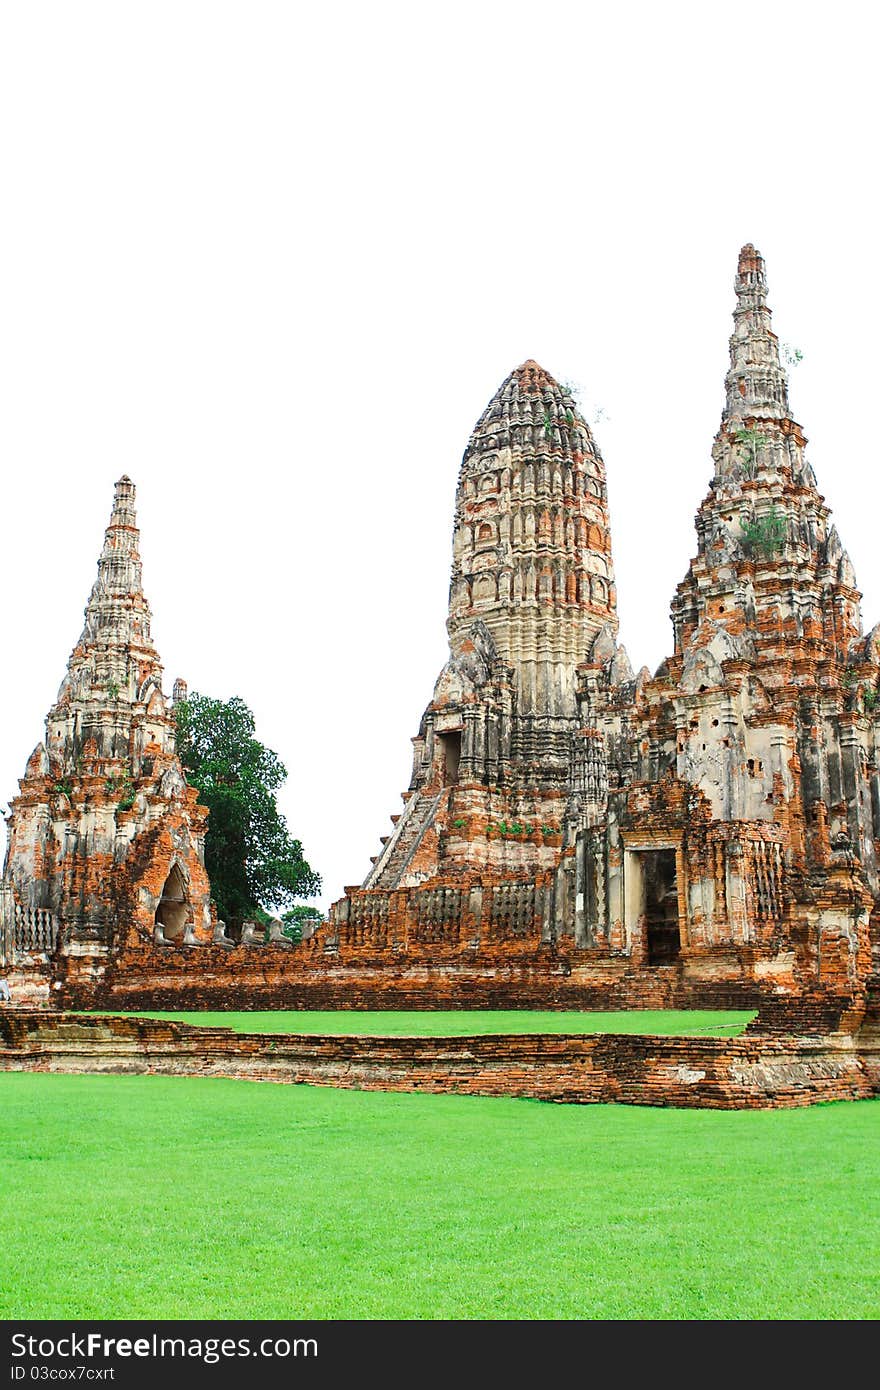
(115, 652)
(764, 522)
(119, 565)
(117, 609)
(756, 384)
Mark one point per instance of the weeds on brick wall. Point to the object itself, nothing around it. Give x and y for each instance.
(749, 442)
(126, 800)
(764, 535)
(505, 828)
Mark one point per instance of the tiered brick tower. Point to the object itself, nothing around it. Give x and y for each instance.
(106, 840)
(741, 801)
(532, 578)
(532, 588)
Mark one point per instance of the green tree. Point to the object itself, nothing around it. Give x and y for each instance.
(252, 860)
(296, 916)
(302, 912)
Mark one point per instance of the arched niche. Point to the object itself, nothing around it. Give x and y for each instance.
(172, 912)
(484, 589)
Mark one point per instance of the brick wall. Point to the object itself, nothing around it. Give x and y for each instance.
(749, 1072)
(278, 978)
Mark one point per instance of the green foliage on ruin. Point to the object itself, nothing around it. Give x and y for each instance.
(505, 828)
(749, 442)
(764, 535)
(252, 860)
(125, 786)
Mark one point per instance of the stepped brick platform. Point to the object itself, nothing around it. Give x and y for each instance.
(754, 1071)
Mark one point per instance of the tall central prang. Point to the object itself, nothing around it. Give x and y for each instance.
(531, 560)
(532, 591)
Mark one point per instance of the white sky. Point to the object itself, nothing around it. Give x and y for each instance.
(272, 260)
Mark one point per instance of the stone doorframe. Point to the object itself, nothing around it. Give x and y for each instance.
(633, 882)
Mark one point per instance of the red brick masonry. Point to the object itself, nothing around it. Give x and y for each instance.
(755, 1071)
(271, 977)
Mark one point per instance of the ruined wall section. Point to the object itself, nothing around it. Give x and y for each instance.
(757, 1070)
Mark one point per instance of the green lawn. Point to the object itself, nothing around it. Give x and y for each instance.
(133, 1197)
(716, 1023)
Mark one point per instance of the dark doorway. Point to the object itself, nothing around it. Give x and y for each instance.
(173, 909)
(661, 905)
(450, 753)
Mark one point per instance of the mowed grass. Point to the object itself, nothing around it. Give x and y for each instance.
(416, 1023)
(137, 1197)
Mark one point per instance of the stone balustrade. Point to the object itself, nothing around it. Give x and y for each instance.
(34, 929)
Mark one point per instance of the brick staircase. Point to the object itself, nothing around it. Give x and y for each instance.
(395, 858)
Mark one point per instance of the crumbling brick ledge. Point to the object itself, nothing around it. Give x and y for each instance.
(754, 1071)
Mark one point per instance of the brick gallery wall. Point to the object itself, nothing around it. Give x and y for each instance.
(274, 978)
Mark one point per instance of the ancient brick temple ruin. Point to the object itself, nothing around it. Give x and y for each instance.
(574, 834)
(106, 840)
(719, 818)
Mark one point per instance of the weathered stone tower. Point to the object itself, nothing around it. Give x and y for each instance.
(532, 586)
(106, 840)
(742, 804)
